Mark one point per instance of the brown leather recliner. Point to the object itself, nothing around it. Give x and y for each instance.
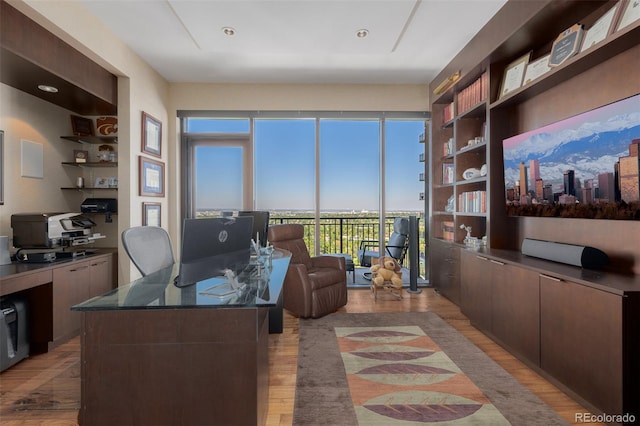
(314, 286)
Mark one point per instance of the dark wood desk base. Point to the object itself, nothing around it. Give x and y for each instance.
(175, 366)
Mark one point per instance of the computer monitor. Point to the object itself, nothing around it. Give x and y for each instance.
(260, 224)
(211, 245)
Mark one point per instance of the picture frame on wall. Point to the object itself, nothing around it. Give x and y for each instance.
(151, 177)
(151, 214)
(81, 126)
(151, 135)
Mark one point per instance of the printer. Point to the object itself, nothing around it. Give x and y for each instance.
(50, 230)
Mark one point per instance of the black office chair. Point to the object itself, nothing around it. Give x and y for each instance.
(148, 247)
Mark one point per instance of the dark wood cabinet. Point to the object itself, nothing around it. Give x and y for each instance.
(70, 287)
(582, 330)
(446, 277)
(515, 319)
(52, 289)
(581, 334)
(476, 289)
(102, 274)
(502, 300)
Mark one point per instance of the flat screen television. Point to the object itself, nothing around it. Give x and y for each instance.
(585, 166)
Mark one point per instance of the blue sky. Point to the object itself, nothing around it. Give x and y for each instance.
(285, 160)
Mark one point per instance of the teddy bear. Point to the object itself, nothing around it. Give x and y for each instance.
(387, 274)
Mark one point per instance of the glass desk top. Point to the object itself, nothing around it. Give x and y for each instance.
(259, 286)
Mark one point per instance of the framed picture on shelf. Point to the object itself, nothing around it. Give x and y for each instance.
(151, 135)
(151, 177)
(80, 156)
(101, 182)
(536, 69)
(599, 30)
(151, 214)
(630, 15)
(81, 126)
(514, 75)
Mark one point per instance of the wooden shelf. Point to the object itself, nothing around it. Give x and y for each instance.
(86, 189)
(91, 164)
(94, 140)
(613, 45)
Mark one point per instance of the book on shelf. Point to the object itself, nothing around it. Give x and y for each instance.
(448, 231)
(473, 94)
(448, 113)
(447, 173)
(472, 202)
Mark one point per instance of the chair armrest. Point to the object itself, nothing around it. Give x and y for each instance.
(334, 262)
(297, 290)
(364, 244)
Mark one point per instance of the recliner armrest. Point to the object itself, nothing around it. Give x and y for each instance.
(334, 262)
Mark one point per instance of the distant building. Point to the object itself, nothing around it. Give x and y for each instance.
(523, 179)
(569, 182)
(630, 173)
(567, 199)
(534, 173)
(547, 192)
(587, 195)
(539, 186)
(606, 186)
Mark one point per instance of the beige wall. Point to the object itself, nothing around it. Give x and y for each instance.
(300, 97)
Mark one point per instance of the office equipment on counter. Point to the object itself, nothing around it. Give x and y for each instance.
(99, 205)
(14, 338)
(51, 230)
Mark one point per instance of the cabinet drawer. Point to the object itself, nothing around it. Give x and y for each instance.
(581, 340)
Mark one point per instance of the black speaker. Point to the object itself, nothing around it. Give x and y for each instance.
(582, 256)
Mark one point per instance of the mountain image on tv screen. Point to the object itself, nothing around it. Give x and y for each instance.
(586, 166)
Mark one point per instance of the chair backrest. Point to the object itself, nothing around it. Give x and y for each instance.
(148, 247)
(290, 237)
(399, 239)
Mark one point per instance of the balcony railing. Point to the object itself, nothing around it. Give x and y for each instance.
(342, 234)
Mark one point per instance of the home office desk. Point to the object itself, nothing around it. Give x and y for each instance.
(153, 353)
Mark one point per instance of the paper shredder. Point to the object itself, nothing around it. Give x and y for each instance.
(14, 336)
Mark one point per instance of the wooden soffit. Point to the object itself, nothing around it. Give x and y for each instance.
(31, 55)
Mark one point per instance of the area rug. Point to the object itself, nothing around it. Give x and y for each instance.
(404, 368)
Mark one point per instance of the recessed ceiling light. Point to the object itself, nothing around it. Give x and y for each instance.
(228, 31)
(47, 88)
(362, 33)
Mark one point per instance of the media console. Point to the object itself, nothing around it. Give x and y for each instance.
(579, 328)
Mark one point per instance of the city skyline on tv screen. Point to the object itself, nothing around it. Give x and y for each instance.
(584, 166)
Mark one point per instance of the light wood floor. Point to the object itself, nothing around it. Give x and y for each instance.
(17, 384)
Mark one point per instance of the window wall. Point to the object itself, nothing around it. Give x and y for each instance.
(345, 177)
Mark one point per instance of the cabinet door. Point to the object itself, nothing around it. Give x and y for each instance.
(445, 269)
(476, 289)
(101, 275)
(581, 340)
(70, 287)
(516, 309)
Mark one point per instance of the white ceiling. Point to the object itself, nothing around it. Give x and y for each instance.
(296, 41)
